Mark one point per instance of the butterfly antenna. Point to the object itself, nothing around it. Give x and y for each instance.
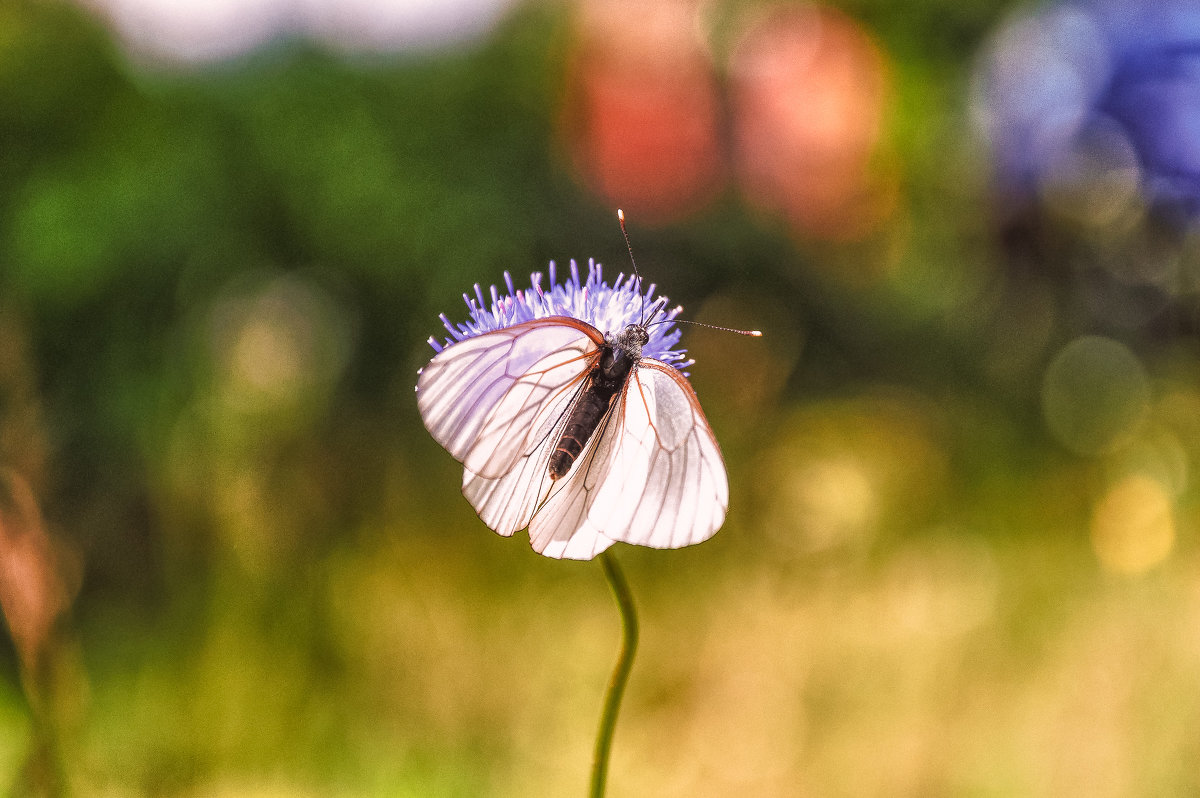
(628, 246)
(638, 277)
(751, 333)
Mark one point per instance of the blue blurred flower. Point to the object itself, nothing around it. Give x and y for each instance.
(1099, 97)
(607, 308)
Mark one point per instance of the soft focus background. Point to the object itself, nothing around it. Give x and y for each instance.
(961, 554)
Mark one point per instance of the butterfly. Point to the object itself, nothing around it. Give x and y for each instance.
(575, 432)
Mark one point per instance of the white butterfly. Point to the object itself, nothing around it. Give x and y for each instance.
(574, 432)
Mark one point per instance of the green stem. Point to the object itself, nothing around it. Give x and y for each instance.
(620, 676)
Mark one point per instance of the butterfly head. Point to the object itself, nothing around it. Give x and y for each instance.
(630, 340)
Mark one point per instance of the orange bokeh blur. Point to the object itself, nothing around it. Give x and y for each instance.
(809, 88)
(643, 119)
(641, 115)
(33, 592)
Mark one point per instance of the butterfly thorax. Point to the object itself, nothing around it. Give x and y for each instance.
(619, 354)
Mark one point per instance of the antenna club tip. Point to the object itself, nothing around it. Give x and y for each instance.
(620, 214)
(754, 333)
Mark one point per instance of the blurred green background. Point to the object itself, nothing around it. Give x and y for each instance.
(960, 554)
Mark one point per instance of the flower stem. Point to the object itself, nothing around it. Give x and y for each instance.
(620, 676)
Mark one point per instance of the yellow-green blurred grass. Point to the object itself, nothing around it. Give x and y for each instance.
(466, 665)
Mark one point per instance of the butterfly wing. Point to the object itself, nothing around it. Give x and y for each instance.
(653, 475)
(495, 400)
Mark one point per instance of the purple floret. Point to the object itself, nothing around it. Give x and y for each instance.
(607, 308)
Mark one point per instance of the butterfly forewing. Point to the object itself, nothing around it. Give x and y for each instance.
(497, 402)
(458, 392)
(528, 413)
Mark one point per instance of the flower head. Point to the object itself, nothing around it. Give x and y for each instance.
(610, 309)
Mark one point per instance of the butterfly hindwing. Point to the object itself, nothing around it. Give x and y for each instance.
(458, 392)
(562, 527)
(652, 475)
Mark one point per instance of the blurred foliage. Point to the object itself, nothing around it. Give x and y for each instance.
(960, 557)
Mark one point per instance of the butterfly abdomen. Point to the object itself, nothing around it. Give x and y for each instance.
(605, 381)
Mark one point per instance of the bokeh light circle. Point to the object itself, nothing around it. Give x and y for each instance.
(1133, 525)
(1095, 394)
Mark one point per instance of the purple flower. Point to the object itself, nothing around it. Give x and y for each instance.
(1096, 97)
(607, 308)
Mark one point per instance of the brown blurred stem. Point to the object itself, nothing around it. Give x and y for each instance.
(620, 676)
